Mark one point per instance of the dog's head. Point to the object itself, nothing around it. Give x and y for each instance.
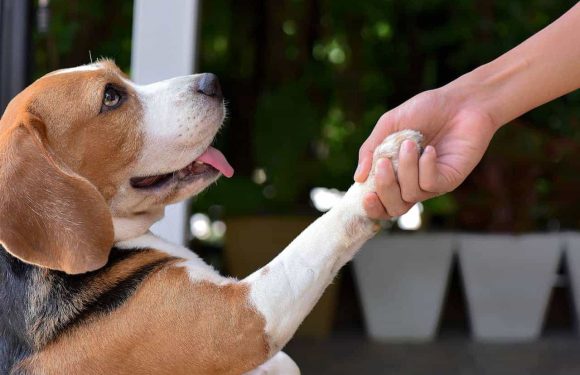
(87, 158)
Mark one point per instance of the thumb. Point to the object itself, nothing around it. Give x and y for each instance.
(365, 161)
(384, 126)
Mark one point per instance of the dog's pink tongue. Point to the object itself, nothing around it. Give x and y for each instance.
(216, 159)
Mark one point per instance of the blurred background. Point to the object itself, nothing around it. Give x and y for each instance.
(482, 280)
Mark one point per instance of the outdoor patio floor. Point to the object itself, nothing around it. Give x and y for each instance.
(354, 354)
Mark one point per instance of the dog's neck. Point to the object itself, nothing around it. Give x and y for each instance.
(133, 226)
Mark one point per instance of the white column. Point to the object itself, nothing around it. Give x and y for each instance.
(165, 46)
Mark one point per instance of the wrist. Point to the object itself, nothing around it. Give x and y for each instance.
(491, 90)
(471, 94)
(537, 71)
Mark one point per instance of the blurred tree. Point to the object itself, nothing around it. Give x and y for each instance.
(308, 79)
(79, 30)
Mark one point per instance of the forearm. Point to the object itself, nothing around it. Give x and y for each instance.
(542, 68)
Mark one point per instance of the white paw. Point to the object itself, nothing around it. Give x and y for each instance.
(390, 149)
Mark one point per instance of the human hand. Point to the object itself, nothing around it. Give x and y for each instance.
(459, 119)
(456, 134)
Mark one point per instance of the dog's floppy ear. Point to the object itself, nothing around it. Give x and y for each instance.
(49, 216)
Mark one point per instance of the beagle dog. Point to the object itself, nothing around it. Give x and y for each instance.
(88, 161)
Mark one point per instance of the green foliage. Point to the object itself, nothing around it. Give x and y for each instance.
(286, 123)
(307, 80)
(314, 76)
(81, 29)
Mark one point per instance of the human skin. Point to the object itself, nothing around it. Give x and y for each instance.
(459, 119)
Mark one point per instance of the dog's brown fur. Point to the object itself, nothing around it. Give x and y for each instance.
(168, 327)
(62, 161)
(61, 165)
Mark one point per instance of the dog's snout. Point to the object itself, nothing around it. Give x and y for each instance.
(209, 85)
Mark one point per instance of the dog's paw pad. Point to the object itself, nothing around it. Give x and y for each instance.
(391, 145)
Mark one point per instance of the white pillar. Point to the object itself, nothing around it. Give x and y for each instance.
(165, 46)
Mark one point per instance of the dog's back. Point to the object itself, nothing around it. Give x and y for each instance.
(39, 304)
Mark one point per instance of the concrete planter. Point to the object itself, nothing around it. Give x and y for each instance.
(572, 253)
(402, 281)
(508, 281)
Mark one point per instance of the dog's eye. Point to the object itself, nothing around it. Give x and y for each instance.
(111, 99)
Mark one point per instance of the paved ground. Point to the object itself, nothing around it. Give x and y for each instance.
(353, 354)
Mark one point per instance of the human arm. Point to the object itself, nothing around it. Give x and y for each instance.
(458, 120)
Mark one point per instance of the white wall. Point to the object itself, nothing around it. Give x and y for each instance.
(165, 46)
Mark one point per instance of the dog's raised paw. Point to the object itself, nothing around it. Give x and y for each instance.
(388, 149)
(391, 145)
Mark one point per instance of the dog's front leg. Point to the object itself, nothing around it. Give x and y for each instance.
(286, 290)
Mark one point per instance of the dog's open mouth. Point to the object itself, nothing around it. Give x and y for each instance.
(210, 162)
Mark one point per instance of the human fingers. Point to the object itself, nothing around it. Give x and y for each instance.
(388, 190)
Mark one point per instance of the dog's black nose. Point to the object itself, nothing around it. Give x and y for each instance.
(209, 85)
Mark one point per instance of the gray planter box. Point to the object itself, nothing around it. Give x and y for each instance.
(402, 281)
(572, 242)
(508, 281)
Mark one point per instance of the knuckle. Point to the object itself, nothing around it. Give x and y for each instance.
(428, 186)
(376, 212)
(410, 197)
(384, 183)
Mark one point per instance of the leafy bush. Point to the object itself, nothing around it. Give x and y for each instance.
(308, 79)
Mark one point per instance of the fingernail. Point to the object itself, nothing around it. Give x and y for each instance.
(408, 146)
(429, 151)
